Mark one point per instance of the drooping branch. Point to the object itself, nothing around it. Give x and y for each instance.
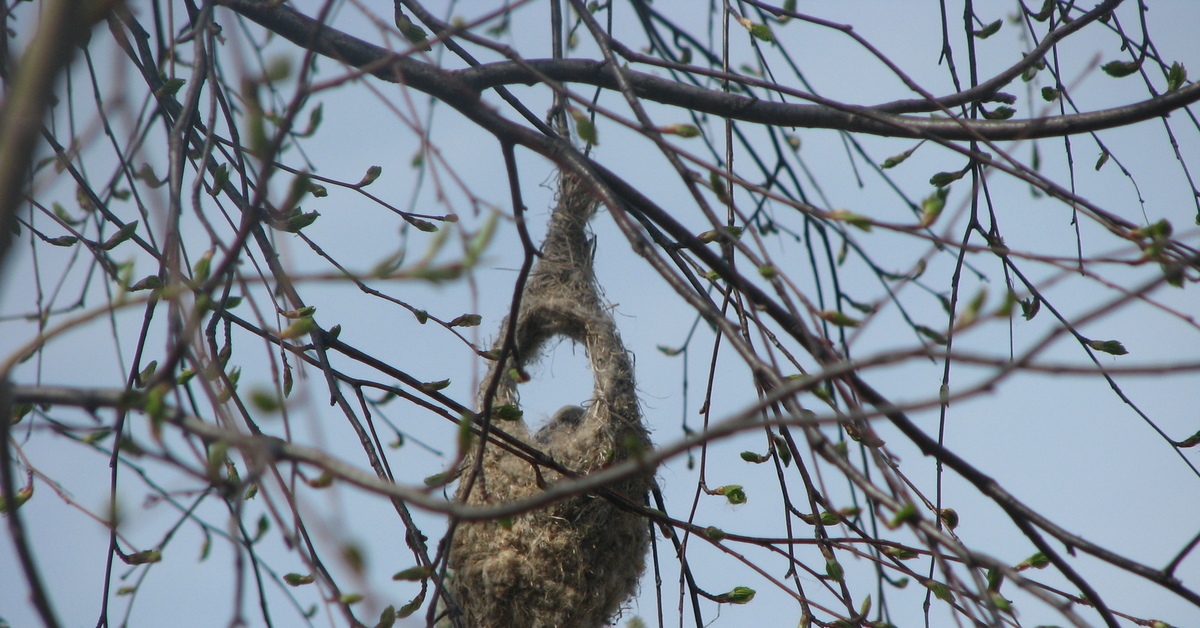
(461, 86)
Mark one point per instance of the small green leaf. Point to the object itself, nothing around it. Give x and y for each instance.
(1037, 561)
(1046, 11)
(19, 410)
(170, 87)
(714, 534)
(942, 179)
(1030, 307)
(411, 31)
(1049, 94)
(682, 130)
(1176, 76)
(949, 517)
(411, 607)
(669, 350)
(989, 30)
(970, 313)
(584, 127)
(713, 235)
(301, 184)
(1190, 441)
(350, 598)
(1119, 69)
(1108, 346)
(847, 216)
(718, 186)
(22, 495)
(439, 479)
(325, 480)
(387, 618)
(278, 69)
(940, 591)
(896, 160)
(372, 174)
(299, 220)
(1000, 113)
(264, 525)
(834, 570)
(838, 318)
(750, 456)
(994, 578)
(739, 595)
(1156, 231)
(762, 32)
(306, 311)
(466, 320)
(419, 572)
(144, 557)
(148, 372)
(508, 412)
(314, 121)
(479, 241)
(826, 518)
(220, 179)
(185, 376)
(1031, 72)
(900, 553)
(433, 386)
(300, 327)
(120, 236)
(61, 213)
(782, 450)
(932, 206)
(1102, 160)
(62, 240)
(202, 268)
(907, 513)
(936, 337)
(265, 400)
(423, 225)
(733, 492)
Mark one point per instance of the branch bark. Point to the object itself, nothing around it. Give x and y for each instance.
(462, 86)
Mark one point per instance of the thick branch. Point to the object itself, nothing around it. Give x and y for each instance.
(455, 85)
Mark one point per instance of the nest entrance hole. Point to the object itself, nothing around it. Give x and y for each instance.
(561, 376)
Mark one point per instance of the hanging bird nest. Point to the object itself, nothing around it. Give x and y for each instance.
(573, 563)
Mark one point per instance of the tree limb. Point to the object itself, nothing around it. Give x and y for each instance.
(460, 86)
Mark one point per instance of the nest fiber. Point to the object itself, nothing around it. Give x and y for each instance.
(574, 563)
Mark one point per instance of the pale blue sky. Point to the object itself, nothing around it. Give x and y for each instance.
(1066, 445)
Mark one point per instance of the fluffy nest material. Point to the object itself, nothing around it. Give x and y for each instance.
(574, 563)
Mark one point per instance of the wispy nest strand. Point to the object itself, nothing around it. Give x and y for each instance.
(574, 563)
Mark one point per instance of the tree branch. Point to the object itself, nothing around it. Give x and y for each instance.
(461, 86)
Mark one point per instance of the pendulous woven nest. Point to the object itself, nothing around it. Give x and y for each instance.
(574, 563)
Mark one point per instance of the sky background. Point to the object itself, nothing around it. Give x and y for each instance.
(1065, 445)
